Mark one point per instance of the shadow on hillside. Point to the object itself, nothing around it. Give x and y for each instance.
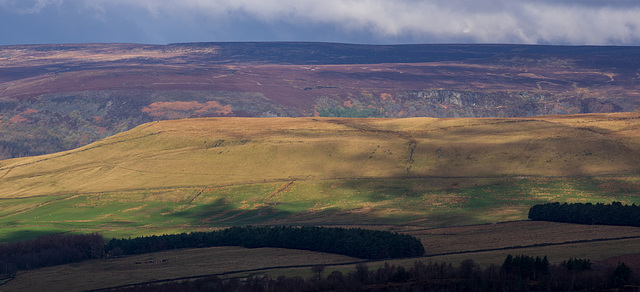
(495, 148)
(221, 213)
(25, 234)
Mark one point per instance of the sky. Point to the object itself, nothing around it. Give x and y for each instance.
(557, 22)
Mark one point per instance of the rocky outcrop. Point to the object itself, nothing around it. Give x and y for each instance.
(455, 103)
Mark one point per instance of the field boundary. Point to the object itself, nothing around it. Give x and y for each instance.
(227, 273)
(533, 245)
(280, 190)
(367, 261)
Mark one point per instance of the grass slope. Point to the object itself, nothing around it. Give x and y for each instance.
(183, 175)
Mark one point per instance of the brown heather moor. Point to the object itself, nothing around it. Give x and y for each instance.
(219, 152)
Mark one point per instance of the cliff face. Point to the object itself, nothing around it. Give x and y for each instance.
(452, 103)
(58, 97)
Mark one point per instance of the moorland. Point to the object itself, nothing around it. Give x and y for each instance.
(60, 97)
(445, 181)
(451, 144)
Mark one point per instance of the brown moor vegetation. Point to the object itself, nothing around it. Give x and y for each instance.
(219, 152)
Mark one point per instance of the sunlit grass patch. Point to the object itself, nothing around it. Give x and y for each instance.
(12, 206)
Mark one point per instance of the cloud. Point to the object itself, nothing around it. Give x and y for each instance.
(381, 21)
(27, 6)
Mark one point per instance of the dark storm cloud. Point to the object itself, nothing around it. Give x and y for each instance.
(368, 21)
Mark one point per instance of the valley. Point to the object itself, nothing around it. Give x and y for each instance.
(60, 97)
(451, 144)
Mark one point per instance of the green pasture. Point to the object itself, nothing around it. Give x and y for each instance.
(426, 202)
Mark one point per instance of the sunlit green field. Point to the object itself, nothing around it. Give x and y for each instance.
(416, 202)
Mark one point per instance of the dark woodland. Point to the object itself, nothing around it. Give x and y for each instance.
(605, 214)
(50, 250)
(57, 249)
(360, 243)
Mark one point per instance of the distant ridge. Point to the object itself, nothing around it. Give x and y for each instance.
(59, 97)
(306, 53)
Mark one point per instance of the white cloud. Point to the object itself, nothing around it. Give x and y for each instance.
(495, 21)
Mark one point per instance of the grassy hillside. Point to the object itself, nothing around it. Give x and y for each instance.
(194, 174)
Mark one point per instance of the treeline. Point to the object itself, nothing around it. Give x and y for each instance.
(50, 250)
(360, 243)
(57, 249)
(607, 214)
(519, 273)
